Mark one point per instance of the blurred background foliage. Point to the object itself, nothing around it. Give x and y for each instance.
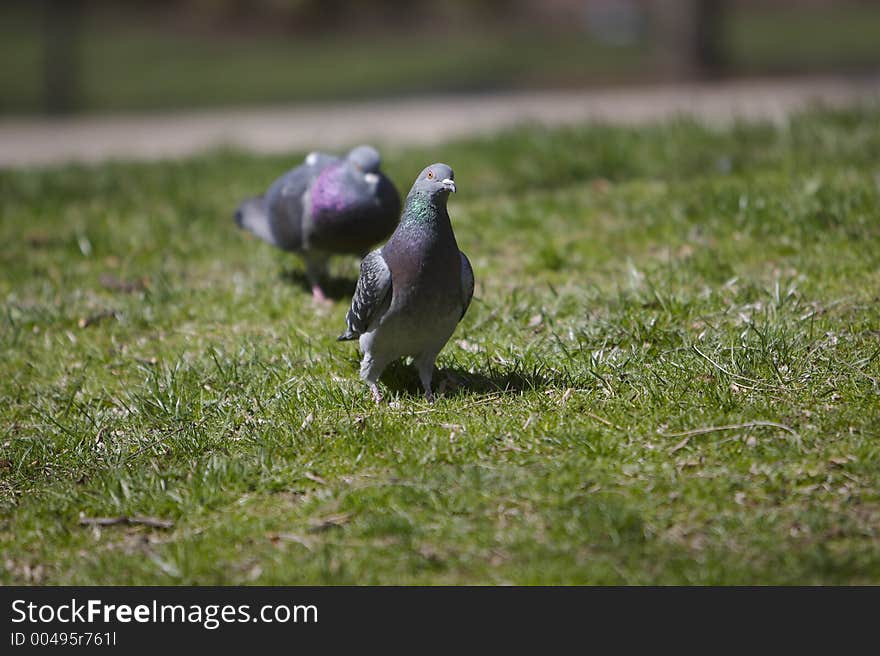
(63, 56)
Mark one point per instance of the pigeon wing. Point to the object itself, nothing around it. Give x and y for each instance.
(284, 204)
(371, 296)
(319, 161)
(467, 283)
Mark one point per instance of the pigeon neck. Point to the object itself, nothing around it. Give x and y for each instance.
(424, 209)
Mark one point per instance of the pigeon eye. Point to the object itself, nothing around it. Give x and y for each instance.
(430, 175)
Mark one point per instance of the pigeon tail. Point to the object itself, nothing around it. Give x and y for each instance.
(347, 336)
(251, 216)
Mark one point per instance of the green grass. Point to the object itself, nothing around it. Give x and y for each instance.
(633, 285)
(128, 66)
(131, 61)
(766, 40)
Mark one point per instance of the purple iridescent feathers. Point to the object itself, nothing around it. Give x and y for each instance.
(327, 205)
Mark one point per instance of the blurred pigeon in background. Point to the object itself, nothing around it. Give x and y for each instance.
(327, 205)
(413, 291)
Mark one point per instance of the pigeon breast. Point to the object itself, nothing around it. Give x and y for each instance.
(347, 214)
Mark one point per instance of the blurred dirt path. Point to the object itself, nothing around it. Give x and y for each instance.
(425, 120)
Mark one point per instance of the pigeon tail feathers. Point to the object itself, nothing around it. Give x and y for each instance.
(251, 215)
(348, 336)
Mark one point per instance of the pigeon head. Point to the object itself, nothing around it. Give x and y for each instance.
(364, 159)
(436, 180)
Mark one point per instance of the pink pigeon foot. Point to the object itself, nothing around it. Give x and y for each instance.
(318, 295)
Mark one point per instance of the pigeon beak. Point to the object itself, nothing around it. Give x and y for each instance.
(448, 184)
(371, 178)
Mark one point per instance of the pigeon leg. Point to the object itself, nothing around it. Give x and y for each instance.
(316, 273)
(371, 369)
(425, 365)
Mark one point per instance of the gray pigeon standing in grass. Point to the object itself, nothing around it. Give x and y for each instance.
(413, 291)
(326, 205)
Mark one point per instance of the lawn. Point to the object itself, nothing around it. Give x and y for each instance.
(128, 65)
(669, 373)
(823, 37)
(133, 61)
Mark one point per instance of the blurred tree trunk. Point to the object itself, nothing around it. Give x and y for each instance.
(323, 15)
(709, 46)
(62, 26)
(689, 37)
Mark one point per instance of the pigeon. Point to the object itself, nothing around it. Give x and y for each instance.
(326, 205)
(413, 291)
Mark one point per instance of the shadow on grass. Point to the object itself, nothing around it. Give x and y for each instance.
(401, 378)
(338, 289)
